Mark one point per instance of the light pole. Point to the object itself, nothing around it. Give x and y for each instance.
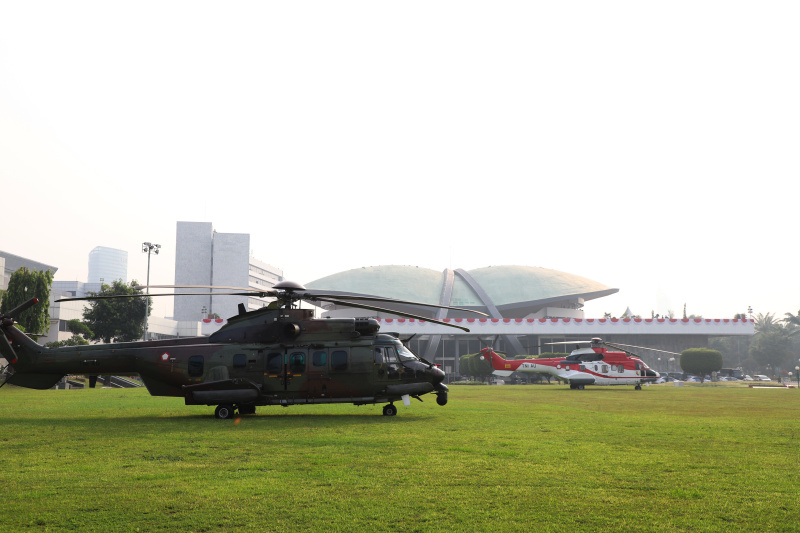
(147, 248)
(797, 371)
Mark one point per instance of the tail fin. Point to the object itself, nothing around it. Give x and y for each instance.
(493, 359)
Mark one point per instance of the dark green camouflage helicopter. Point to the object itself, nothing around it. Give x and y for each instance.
(277, 355)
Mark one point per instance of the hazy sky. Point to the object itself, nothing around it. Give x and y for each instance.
(653, 147)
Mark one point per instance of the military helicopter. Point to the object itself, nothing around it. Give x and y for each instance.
(277, 355)
(595, 365)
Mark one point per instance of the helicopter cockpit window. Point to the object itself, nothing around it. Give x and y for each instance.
(239, 360)
(297, 363)
(319, 358)
(390, 354)
(379, 359)
(196, 365)
(339, 360)
(404, 353)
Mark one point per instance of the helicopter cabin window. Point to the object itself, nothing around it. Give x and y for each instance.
(379, 360)
(319, 358)
(621, 369)
(339, 361)
(274, 363)
(605, 369)
(582, 368)
(196, 365)
(239, 360)
(297, 362)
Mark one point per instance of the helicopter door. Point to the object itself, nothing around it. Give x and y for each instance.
(285, 375)
(275, 375)
(296, 377)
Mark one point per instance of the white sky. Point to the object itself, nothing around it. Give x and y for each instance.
(653, 147)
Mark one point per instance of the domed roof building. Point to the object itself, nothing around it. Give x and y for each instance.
(500, 291)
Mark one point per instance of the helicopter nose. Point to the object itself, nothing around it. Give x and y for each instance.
(437, 373)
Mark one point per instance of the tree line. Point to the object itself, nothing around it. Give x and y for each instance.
(106, 320)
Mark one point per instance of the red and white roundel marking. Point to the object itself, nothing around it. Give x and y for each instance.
(165, 356)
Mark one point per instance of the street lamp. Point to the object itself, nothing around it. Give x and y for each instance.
(797, 368)
(147, 248)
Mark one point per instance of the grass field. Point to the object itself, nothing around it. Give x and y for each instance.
(513, 458)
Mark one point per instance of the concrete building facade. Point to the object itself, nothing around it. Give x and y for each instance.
(204, 256)
(10, 263)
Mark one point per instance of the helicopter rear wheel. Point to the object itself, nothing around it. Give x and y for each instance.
(224, 412)
(389, 410)
(441, 398)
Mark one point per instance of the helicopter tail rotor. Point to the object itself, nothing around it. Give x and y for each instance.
(6, 322)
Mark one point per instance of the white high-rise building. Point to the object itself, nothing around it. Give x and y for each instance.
(108, 265)
(204, 256)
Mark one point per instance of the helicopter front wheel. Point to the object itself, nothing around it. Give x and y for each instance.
(224, 412)
(441, 398)
(389, 410)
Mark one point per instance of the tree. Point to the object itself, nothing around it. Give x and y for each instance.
(23, 285)
(474, 365)
(792, 319)
(78, 328)
(75, 340)
(765, 323)
(771, 348)
(700, 361)
(117, 319)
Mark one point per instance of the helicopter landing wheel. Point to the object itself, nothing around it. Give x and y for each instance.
(224, 411)
(637, 387)
(441, 398)
(389, 410)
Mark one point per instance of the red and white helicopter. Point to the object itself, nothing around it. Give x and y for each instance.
(594, 365)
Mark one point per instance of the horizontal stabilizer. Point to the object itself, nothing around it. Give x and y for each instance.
(502, 373)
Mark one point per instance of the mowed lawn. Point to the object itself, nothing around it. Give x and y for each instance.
(499, 458)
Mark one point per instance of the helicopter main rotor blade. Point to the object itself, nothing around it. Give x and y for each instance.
(395, 312)
(115, 296)
(619, 346)
(344, 299)
(248, 289)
